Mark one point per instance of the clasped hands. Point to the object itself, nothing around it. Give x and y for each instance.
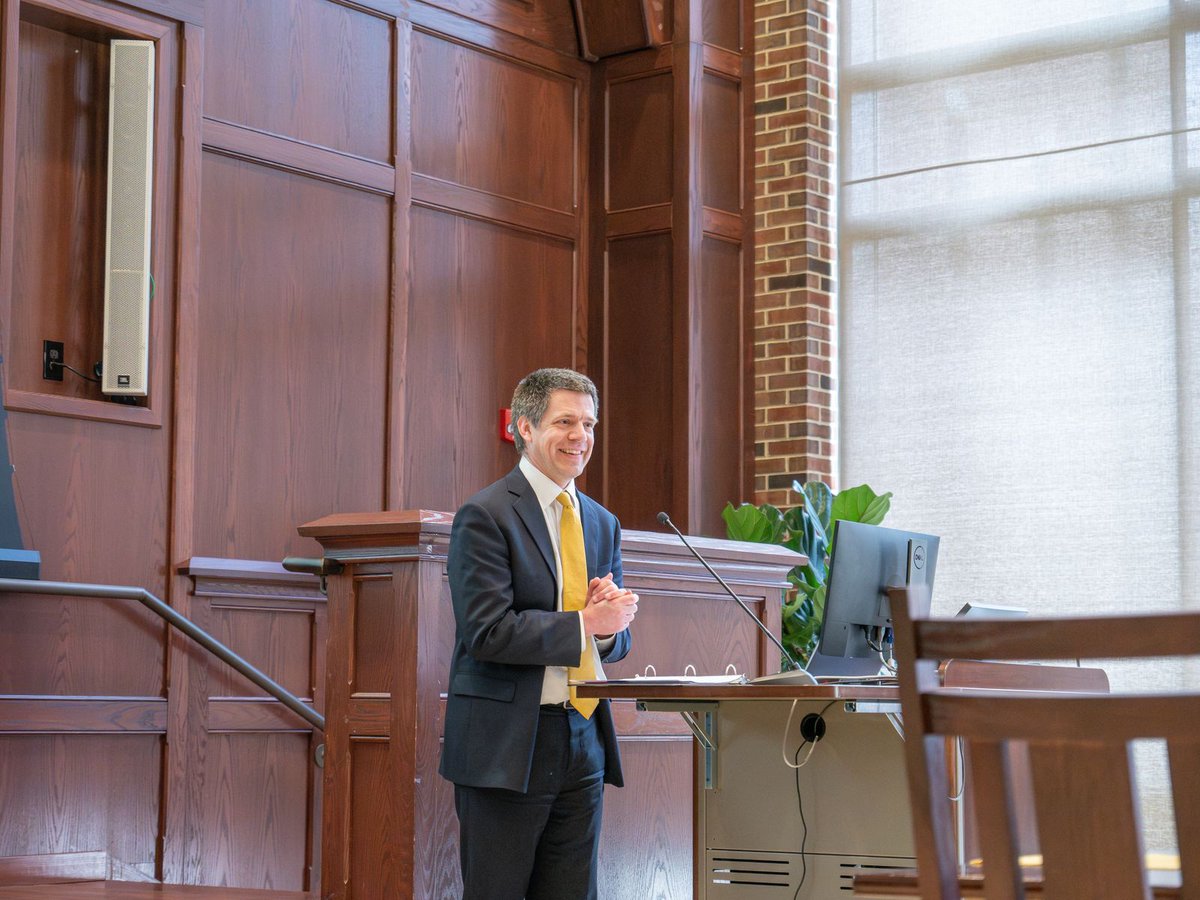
(609, 607)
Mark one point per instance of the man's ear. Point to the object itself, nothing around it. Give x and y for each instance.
(524, 428)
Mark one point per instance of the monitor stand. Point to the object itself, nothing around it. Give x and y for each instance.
(843, 667)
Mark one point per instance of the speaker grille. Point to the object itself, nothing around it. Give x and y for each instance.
(127, 246)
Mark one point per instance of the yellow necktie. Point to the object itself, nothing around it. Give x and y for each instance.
(574, 595)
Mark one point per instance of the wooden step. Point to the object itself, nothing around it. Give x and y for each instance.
(121, 890)
(45, 868)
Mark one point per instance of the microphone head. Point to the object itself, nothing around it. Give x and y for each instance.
(664, 519)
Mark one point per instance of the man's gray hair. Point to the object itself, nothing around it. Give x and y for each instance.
(532, 396)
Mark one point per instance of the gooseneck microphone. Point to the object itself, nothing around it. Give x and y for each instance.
(664, 519)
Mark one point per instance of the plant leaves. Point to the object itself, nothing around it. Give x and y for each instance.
(819, 500)
(807, 536)
(853, 504)
(757, 524)
(807, 528)
(877, 509)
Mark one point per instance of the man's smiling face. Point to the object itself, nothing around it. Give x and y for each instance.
(561, 444)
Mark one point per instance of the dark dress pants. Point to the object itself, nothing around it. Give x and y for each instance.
(542, 844)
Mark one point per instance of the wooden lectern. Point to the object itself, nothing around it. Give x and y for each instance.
(388, 827)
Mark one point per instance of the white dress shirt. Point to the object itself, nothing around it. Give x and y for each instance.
(554, 683)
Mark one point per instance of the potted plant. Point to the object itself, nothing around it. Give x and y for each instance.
(806, 528)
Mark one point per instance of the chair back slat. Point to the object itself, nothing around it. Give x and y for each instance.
(1184, 757)
(1152, 634)
(996, 715)
(1087, 819)
(1072, 736)
(978, 673)
(997, 818)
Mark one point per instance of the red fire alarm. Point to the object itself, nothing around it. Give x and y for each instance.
(506, 425)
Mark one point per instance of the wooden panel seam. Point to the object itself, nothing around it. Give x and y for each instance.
(241, 596)
(722, 225)
(722, 62)
(639, 220)
(381, 9)
(241, 715)
(446, 25)
(298, 157)
(82, 715)
(644, 63)
(83, 408)
(434, 193)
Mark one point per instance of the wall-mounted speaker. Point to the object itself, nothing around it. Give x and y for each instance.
(126, 359)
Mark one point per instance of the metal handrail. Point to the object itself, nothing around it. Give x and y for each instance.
(187, 626)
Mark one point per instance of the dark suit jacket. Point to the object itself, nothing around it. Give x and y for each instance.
(505, 591)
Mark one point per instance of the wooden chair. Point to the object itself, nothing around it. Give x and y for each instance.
(1079, 752)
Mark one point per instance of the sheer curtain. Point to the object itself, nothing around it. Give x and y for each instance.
(1019, 236)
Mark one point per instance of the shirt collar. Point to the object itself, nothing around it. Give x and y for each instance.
(545, 488)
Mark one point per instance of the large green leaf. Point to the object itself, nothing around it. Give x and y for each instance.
(861, 504)
(757, 524)
(818, 500)
(806, 535)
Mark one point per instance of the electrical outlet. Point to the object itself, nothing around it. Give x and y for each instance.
(52, 359)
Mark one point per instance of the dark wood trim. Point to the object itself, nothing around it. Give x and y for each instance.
(83, 408)
(642, 64)
(298, 157)
(726, 226)
(123, 888)
(399, 299)
(384, 9)
(82, 715)
(720, 61)
(435, 193)
(746, 424)
(526, 51)
(581, 148)
(369, 716)
(685, 280)
(590, 45)
(253, 714)
(9, 71)
(127, 22)
(253, 584)
(336, 789)
(597, 479)
(266, 598)
(501, 27)
(644, 220)
(581, 32)
(53, 868)
(182, 793)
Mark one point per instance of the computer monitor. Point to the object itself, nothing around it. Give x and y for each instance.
(865, 561)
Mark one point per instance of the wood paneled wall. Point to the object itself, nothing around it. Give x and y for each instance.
(671, 209)
(370, 219)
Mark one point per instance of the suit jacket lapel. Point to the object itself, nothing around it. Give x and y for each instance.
(591, 529)
(526, 504)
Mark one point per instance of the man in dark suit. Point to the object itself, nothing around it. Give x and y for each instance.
(535, 577)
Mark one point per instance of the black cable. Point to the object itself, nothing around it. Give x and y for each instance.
(803, 823)
(800, 807)
(76, 371)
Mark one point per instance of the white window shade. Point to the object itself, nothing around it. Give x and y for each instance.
(1019, 241)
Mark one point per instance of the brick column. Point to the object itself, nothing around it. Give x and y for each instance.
(795, 263)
